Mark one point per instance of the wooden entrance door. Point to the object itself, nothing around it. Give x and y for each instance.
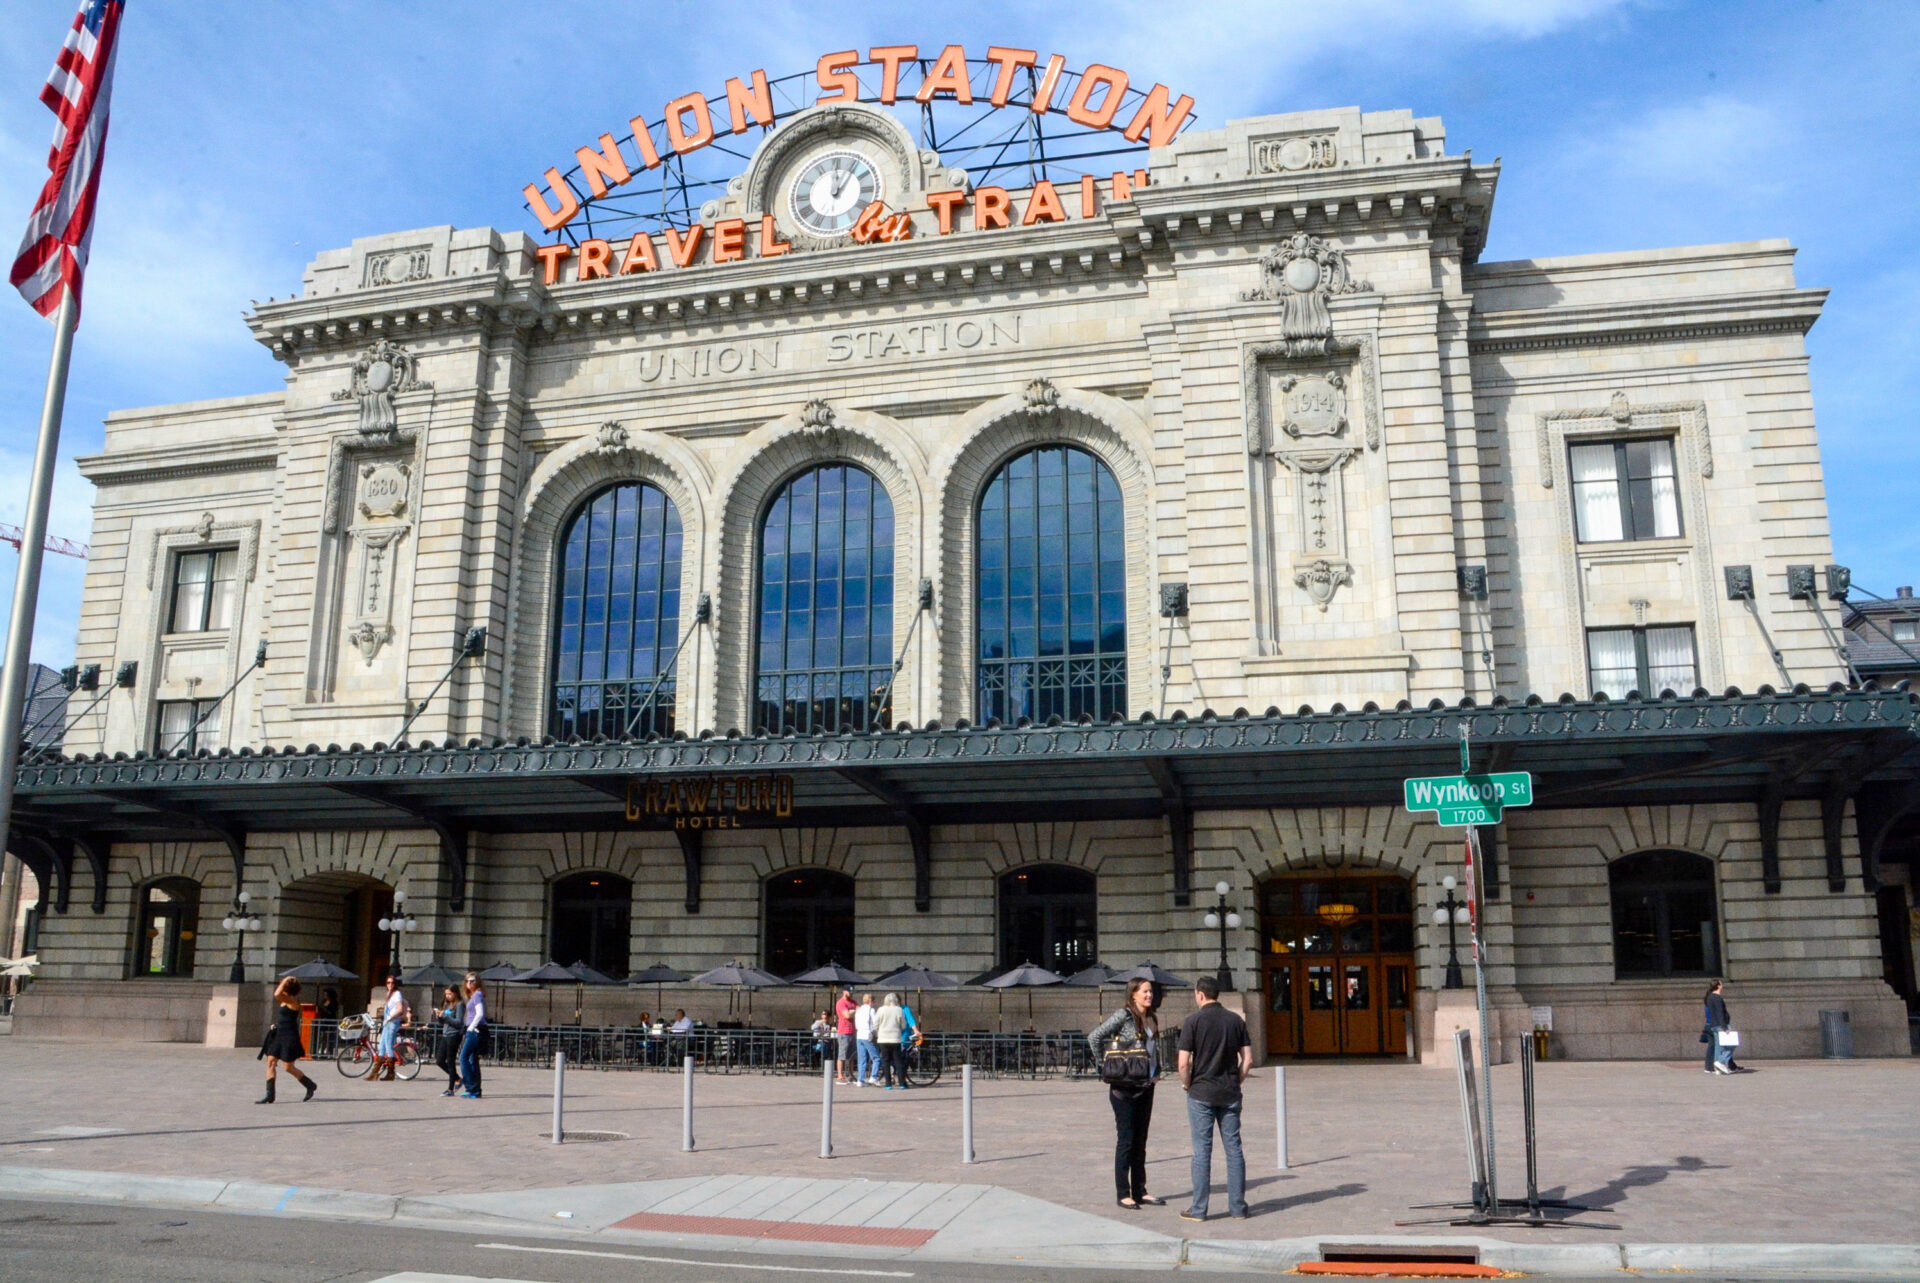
(1338, 965)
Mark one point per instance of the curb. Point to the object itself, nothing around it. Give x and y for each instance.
(1782, 1260)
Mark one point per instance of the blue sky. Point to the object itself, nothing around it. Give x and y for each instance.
(249, 135)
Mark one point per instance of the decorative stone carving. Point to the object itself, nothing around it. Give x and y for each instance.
(1312, 405)
(611, 438)
(1290, 155)
(398, 266)
(816, 418)
(368, 637)
(1041, 397)
(1322, 578)
(204, 527)
(383, 372)
(384, 487)
(1302, 275)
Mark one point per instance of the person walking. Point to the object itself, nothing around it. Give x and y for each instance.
(452, 1023)
(1216, 1057)
(476, 1025)
(394, 1012)
(843, 1011)
(282, 1044)
(889, 1027)
(1719, 1058)
(1133, 1028)
(866, 1070)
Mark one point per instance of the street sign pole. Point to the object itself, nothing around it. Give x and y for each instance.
(1480, 974)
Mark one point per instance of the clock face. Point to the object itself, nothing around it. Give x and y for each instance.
(830, 190)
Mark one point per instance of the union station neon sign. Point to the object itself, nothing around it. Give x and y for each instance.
(1096, 99)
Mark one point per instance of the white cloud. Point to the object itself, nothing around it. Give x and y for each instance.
(1715, 141)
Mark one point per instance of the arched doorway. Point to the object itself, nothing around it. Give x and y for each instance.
(809, 919)
(164, 941)
(335, 916)
(592, 922)
(1338, 958)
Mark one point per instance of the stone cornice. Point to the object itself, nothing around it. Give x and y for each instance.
(175, 462)
(1645, 321)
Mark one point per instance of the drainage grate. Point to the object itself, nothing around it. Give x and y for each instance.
(1396, 1253)
(587, 1136)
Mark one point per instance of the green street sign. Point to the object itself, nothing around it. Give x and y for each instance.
(1460, 800)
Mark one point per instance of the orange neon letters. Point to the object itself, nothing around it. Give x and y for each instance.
(1049, 81)
(643, 140)
(551, 256)
(947, 76)
(640, 256)
(756, 102)
(833, 72)
(551, 218)
(890, 57)
(771, 245)
(729, 240)
(677, 136)
(1157, 120)
(598, 167)
(596, 261)
(1095, 76)
(1043, 206)
(943, 204)
(1008, 60)
(683, 251)
(990, 205)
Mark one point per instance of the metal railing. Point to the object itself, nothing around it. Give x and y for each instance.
(725, 1050)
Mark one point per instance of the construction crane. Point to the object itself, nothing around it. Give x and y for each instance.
(54, 543)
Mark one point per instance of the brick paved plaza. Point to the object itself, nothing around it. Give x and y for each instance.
(1803, 1151)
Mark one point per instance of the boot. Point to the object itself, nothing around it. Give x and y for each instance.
(379, 1066)
(268, 1098)
(311, 1087)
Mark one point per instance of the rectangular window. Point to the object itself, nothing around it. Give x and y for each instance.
(203, 587)
(187, 724)
(1906, 630)
(1625, 490)
(1648, 660)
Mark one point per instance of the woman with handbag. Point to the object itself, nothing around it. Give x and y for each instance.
(1126, 1047)
(1718, 1035)
(282, 1045)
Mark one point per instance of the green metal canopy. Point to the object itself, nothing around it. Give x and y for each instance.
(1762, 748)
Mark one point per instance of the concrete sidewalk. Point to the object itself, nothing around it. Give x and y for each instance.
(1815, 1152)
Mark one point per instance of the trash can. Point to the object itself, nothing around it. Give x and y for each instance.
(1836, 1035)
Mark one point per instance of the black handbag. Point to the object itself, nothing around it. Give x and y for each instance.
(1128, 1067)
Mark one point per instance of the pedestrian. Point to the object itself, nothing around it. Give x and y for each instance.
(470, 1040)
(843, 1034)
(1719, 1058)
(452, 1022)
(329, 1008)
(1134, 1032)
(282, 1044)
(822, 1034)
(1216, 1056)
(889, 1027)
(866, 1069)
(394, 1012)
(909, 1042)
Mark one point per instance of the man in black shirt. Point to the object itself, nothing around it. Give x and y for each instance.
(1216, 1056)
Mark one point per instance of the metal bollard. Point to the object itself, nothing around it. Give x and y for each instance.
(966, 1112)
(559, 1094)
(826, 1110)
(1280, 1110)
(686, 1104)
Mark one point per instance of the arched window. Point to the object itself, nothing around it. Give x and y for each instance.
(1052, 588)
(169, 921)
(825, 652)
(619, 616)
(809, 920)
(1048, 916)
(1664, 917)
(592, 922)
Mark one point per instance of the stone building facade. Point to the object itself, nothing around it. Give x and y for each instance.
(1333, 458)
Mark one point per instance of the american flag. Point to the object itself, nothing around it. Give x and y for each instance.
(53, 253)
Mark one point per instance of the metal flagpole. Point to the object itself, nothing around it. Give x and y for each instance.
(26, 588)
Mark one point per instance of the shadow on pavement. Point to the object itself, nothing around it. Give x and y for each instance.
(1639, 1176)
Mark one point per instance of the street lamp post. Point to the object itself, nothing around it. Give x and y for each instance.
(1451, 912)
(239, 922)
(397, 925)
(1219, 916)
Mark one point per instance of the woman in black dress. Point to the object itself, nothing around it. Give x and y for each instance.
(282, 1044)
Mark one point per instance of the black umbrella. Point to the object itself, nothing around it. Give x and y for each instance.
(984, 976)
(1097, 976)
(584, 976)
(657, 975)
(1026, 976)
(1147, 971)
(918, 979)
(735, 977)
(546, 975)
(831, 976)
(319, 969)
(432, 974)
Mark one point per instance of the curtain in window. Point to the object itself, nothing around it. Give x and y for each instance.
(619, 616)
(1051, 589)
(825, 645)
(1612, 664)
(1654, 490)
(1670, 661)
(1596, 493)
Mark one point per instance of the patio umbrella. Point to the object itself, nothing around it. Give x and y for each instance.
(433, 974)
(984, 976)
(546, 975)
(584, 976)
(1147, 971)
(1026, 976)
(1096, 977)
(319, 969)
(736, 977)
(657, 975)
(831, 976)
(918, 979)
(498, 973)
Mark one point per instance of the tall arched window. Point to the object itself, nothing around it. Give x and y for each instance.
(592, 922)
(825, 652)
(619, 616)
(1664, 917)
(1052, 590)
(169, 922)
(809, 920)
(1049, 915)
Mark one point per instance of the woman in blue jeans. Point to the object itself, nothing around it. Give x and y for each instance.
(470, 1041)
(1719, 1058)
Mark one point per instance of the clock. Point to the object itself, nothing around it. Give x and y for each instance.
(829, 191)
